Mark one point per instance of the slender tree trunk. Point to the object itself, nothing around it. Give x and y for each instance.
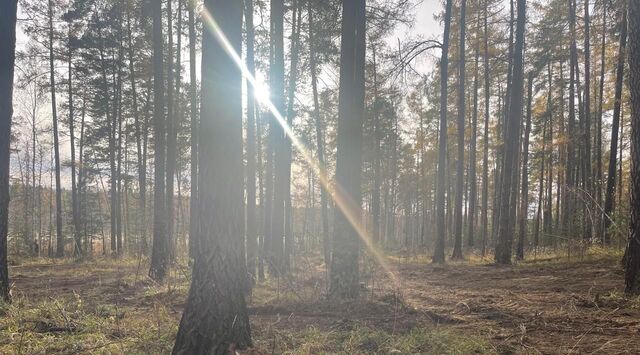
(193, 97)
(615, 129)
(569, 200)
(276, 131)
(293, 75)
(632, 275)
(457, 223)
(77, 229)
(524, 201)
(215, 319)
(160, 250)
(324, 211)
(142, 169)
(438, 256)
(8, 9)
(172, 137)
(344, 276)
(487, 114)
(56, 146)
(252, 223)
(473, 185)
(598, 130)
(588, 178)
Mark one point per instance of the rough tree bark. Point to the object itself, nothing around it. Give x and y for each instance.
(505, 233)
(160, 249)
(8, 17)
(215, 319)
(344, 276)
(632, 275)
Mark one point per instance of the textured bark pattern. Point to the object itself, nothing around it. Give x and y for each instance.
(8, 10)
(215, 319)
(344, 276)
(160, 249)
(632, 276)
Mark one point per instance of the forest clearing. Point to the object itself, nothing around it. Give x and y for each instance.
(549, 305)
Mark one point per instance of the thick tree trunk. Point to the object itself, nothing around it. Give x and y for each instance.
(160, 250)
(438, 253)
(632, 275)
(344, 276)
(215, 319)
(505, 233)
(8, 17)
(615, 129)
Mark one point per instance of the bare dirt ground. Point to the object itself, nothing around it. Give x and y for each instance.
(545, 307)
(548, 307)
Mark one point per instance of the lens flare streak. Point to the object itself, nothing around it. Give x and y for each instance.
(350, 211)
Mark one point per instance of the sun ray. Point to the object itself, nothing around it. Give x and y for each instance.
(350, 211)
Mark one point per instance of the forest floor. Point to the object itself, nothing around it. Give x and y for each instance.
(550, 305)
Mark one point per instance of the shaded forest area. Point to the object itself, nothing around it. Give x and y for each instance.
(307, 176)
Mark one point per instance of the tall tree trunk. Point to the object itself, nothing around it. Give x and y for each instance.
(438, 256)
(8, 10)
(75, 210)
(457, 222)
(142, 169)
(293, 77)
(598, 130)
(588, 172)
(252, 222)
(344, 276)
(324, 210)
(615, 128)
(524, 200)
(215, 319)
(569, 203)
(632, 275)
(56, 146)
(375, 193)
(276, 132)
(473, 185)
(505, 233)
(485, 155)
(172, 135)
(193, 97)
(160, 250)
